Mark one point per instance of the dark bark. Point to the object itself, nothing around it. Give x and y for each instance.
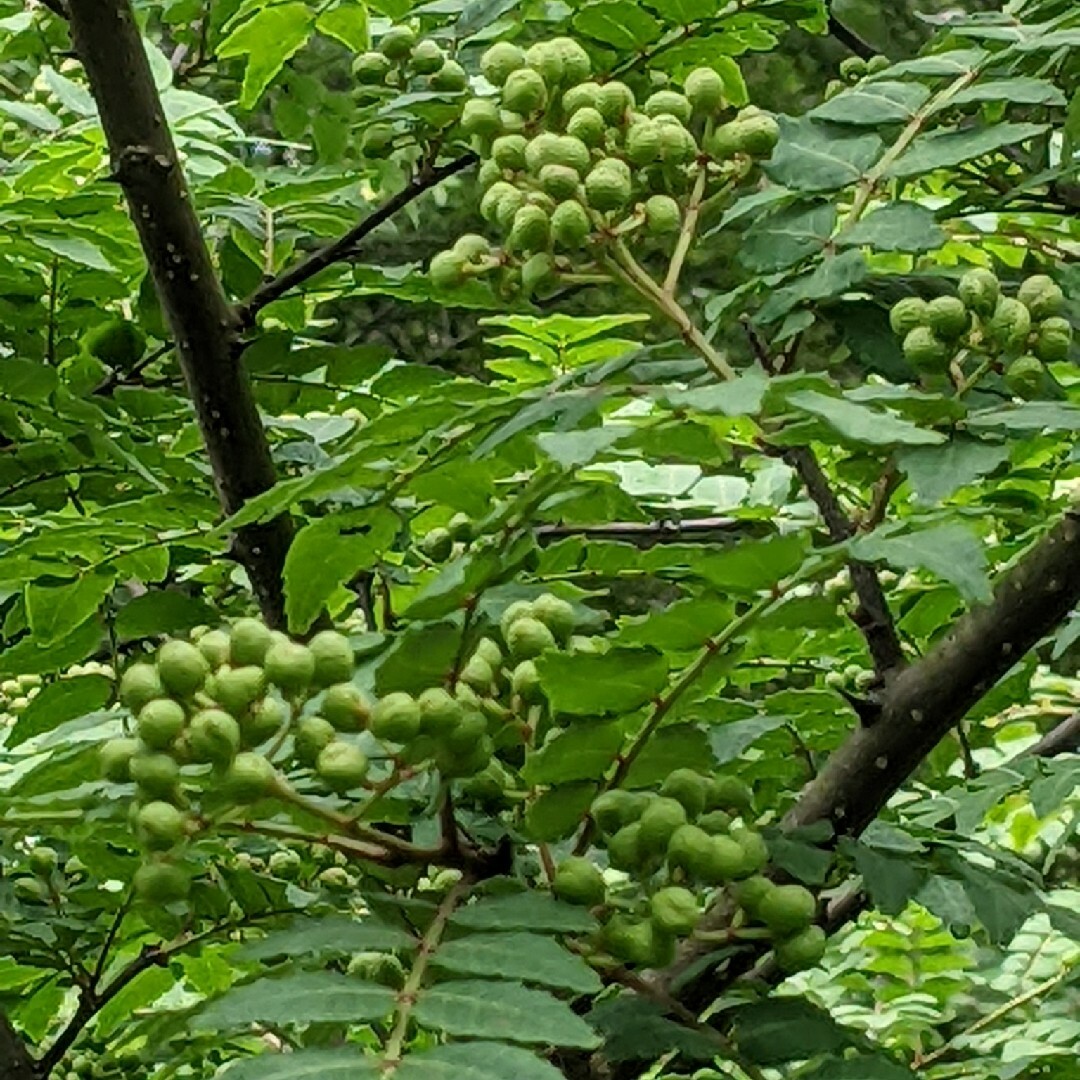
(1063, 739)
(15, 1060)
(107, 40)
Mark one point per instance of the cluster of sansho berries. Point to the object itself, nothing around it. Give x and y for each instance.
(569, 161)
(15, 695)
(676, 847)
(403, 62)
(854, 69)
(1023, 332)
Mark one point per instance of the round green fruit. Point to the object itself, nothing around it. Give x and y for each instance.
(161, 883)
(579, 881)
(585, 95)
(336, 879)
(371, 68)
(118, 343)
(286, 865)
(156, 775)
(346, 707)
(461, 528)
(481, 117)
(262, 722)
(508, 152)
(139, 685)
(1042, 296)
(160, 826)
(658, 823)
(528, 638)
(447, 270)
(624, 848)
(43, 860)
(559, 181)
(704, 90)
(289, 666)
(671, 102)
(250, 778)
(248, 642)
(674, 910)
(334, 659)
(478, 674)
(787, 909)
(529, 231)
(607, 188)
(397, 43)
(1010, 325)
(980, 290)
(214, 645)
(519, 609)
(614, 809)
(500, 62)
(715, 822)
(729, 793)
(236, 689)
(160, 722)
(587, 125)
(488, 174)
(757, 135)
(115, 759)
(631, 941)
(376, 140)
(570, 225)
(875, 65)
(396, 718)
(802, 951)
(755, 850)
(853, 68)
(545, 59)
(614, 101)
(750, 892)
(662, 215)
(525, 683)
(427, 57)
(1053, 339)
(576, 65)
(214, 737)
(643, 143)
(925, 350)
(450, 77)
(440, 713)
(342, 766)
(488, 650)
(687, 787)
(30, 890)
(677, 145)
(524, 92)
(1024, 376)
(948, 317)
(453, 762)
(908, 314)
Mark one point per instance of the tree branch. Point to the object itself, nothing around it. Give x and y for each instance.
(1062, 739)
(107, 40)
(849, 38)
(345, 245)
(15, 1060)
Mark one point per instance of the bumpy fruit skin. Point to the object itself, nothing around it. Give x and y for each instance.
(715, 822)
(541, 150)
(451, 76)
(607, 188)
(907, 314)
(704, 90)
(250, 777)
(160, 722)
(979, 289)
(1053, 338)
(440, 713)
(527, 638)
(545, 59)
(447, 270)
(570, 152)
(787, 909)
(1024, 376)
(43, 860)
(559, 181)
(529, 231)
(948, 317)
(1041, 295)
(454, 762)
(924, 349)
(313, 735)
(755, 850)
(396, 718)
(750, 893)
(500, 61)
(115, 759)
(155, 775)
(248, 642)
(587, 125)
(614, 809)
(214, 645)
(1010, 324)
(236, 689)
(289, 666)
(161, 883)
(481, 117)
(556, 614)
(478, 674)
(585, 95)
(214, 737)
(576, 65)
(802, 951)
(689, 849)
(579, 881)
(139, 685)
(624, 847)
(658, 823)
(630, 941)
(346, 708)
(729, 793)
(674, 910)
(342, 766)
(662, 215)
(427, 57)
(519, 609)
(397, 43)
(334, 660)
(508, 152)
(688, 788)
(160, 826)
(371, 68)
(643, 143)
(853, 68)
(570, 226)
(668, 101)
(285, 865)
(118, 343)
(262, 721)
(524, 92)
(489, 651)
(758, 135)
(614, 101)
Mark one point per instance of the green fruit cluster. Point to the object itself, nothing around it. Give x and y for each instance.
(1023, 333)
(403, 60)
(16, 695)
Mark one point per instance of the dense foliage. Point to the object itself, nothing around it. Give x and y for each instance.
(538, 539)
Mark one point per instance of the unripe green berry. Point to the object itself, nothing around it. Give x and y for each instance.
(427, 57)
(501, 61)
(924, 349)
(481, 117)
(643, 143)
(248, 642)
(342, 766)
(704, 90)
(607, 188)
(980, 290)
(579, 881)
(508, 152)
(160, 826)
(181, 667)
(450, 77)
(668, 101)
(115, 759)
(908, 313)
(570, 226)
(214, 737)
(290, 666)
(559, 181)
(397, 43)
(525, 92)
(1041, 295)
(662, 215)
(161, 883)
(371, 68)
(948, 317)
(538, 271)
(160, 722)
(529, 231)
(215, 646)
(1053, 339)
(614, 101)
(587, 125)
(250, 777)
(395, 718)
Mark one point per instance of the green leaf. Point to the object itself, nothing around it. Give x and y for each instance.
(731, 739)
(788, 236)
(675, 746)
(685, 12)
(329, 553)
(1029, 416)
(1000, 908)
(741, 396)
(24, 380)
(556, 813)
(333, 935)
(477, 1008)
(1021, 90)
(475, 1061)
(635, 1029)
(306, 1063)
(875, 102)
(347, 23)
(859, 1068)
(30, 657)
(163, 612)
(53, 611)
(76, 249)
(529, 958)
(834, 275)
(936, 472)
(871, 427)
(755, 565)
(898, 226)
(524, 911)
(303, 997)
(891, 881)
(816, 157)
(943, 149)
(597, 684)
(952, 552)
(267, 39)
(454, 584)
(778, 1030)
(60, 702)
(584, 751)
(620, 23)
